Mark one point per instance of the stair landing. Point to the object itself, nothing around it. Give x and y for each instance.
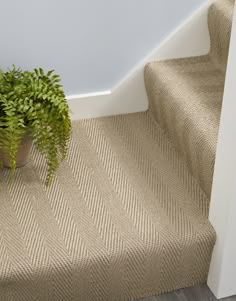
(123, 218)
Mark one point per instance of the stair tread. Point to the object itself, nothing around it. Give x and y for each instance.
(123, 210)
(220, 23)
(185, 97)
(224, 9)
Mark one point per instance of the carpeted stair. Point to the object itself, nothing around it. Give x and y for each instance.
(127, 214)
(185, 96)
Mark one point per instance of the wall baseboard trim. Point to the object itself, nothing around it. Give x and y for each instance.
(129, 95)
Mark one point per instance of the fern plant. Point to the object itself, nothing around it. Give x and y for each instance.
(33, 103)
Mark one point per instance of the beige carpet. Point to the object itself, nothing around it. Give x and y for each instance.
(127, 215)
(123, 218)
(185, 96)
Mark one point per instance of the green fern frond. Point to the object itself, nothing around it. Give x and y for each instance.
(34, 101)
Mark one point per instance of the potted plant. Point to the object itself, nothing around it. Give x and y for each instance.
(33, 108)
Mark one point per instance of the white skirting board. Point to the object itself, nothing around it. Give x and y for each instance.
(129, 95)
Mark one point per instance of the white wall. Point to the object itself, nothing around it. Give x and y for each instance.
(91, 43)
(129, 95)
(222, 276)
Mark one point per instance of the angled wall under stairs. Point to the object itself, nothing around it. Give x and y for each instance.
(127, 213)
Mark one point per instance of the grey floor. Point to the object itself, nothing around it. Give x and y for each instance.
(200, 293)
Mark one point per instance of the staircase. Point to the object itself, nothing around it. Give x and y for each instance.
(127, 214)
(185, 96)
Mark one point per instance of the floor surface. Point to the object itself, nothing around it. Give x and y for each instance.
(200, 293)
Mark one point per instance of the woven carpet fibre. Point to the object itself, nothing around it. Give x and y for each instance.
(123, 218)
(185, 96)
(127, 214)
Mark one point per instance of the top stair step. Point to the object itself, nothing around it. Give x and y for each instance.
(220, 18)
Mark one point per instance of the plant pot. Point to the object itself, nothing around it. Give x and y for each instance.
(22, 154)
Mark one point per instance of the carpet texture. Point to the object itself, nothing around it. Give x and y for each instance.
(185, 96)
(124, 218)
(127, 213)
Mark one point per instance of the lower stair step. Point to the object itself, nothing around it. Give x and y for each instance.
(185, 98)
(123, 218)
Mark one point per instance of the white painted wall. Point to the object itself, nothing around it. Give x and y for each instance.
(222, 276)
(129, 95)
(92, 44)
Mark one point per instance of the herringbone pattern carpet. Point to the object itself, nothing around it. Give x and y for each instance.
(123, 218)
(127, 213)
(185, 96)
